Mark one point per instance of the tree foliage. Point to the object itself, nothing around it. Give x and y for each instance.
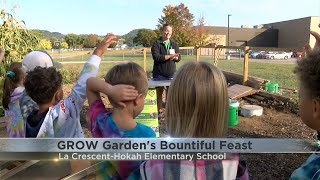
(74, 41)
(91, 41)
(44, 44)
(201, 33)
(181, 20)
(130, 36)
(145, 37)
(15, 39)
(64, 45)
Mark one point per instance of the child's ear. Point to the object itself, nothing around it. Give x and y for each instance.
(136, 101)
(58, 95)
(316, 108)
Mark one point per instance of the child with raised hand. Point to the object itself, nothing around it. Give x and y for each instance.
(58, 117)
(197, 107)
(308, 72)
(12, 90)
(126, 86)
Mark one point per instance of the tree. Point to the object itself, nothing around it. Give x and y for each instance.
(15, 38)
(181, 20)
(201, 33)
(74, 40)
(91, 41)
(64, 45)
(44, 44)
(145, 37)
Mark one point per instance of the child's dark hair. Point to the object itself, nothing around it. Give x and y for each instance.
(42, 83)
(165, 25)
(13, 76)
(308, 71)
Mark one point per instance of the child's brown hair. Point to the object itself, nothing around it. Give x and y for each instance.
(308, 71)
(13, 77)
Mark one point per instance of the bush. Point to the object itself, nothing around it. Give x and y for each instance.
(69, 75)
(16, 40)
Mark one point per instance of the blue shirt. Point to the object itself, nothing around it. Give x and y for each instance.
(102, 125)
(309, 170)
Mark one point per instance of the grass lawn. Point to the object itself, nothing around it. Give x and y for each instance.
(280, 73)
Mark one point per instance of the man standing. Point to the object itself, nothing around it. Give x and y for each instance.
(165, 53)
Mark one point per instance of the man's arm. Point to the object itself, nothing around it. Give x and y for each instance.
(157, 56)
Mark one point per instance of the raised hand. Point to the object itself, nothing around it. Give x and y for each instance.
(307, 47)
(104, 44)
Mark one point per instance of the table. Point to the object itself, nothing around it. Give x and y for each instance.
(161, 83)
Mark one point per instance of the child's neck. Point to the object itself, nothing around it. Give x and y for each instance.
(124, 118)
(43, 108)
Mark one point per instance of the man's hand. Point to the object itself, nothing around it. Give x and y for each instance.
(104, 44)
(171, 57)
(176, 56)
(120, 93)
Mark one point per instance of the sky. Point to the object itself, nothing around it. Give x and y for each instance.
(121, 16)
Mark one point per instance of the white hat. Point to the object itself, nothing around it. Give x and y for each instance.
(36, 58)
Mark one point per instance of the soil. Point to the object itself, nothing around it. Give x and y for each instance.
(274, 123)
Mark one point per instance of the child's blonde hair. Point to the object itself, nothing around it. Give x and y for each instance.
(197, 104)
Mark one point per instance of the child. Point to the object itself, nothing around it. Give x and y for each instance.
(308, 72)
(12, 90)
(57, 117)
(124, 81)
(29, 62)
(197, 107)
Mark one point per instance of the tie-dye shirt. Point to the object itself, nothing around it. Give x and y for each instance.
(102, 125)
(27, 105)
(63, 119)
(13, 117)
(309, 170)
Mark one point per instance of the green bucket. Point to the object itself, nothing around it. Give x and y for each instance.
(233, 112)
(271, 87)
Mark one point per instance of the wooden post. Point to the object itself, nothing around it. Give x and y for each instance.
(145, 59)
(198, 54)
(245, 65)
(215, 56)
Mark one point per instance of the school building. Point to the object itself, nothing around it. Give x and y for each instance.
(285, 34)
